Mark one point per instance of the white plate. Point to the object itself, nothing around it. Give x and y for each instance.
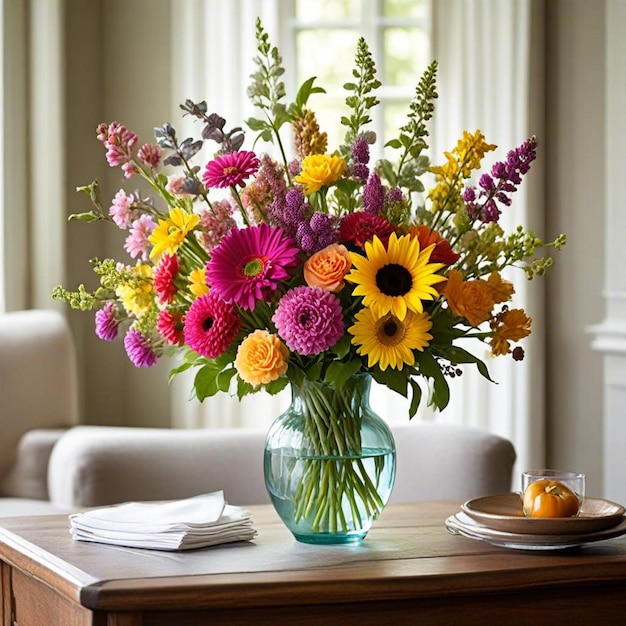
(504, 512)
(464, 525)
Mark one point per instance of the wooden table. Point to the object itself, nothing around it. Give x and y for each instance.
(409, 570)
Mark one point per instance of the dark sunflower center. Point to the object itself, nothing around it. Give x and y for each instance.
(394, 280)
(390, 331)
(207, 323)
(390, 328)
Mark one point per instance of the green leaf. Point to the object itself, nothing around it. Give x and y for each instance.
(224, 377)
(392, 378)
(205, 382)
(276, 386)
(416, 398)
(428, 366)
(88, 216)
(338, 372)
(177, 370)
(256, 124)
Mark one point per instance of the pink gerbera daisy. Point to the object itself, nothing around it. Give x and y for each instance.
(230, 169)
(250, 263)
(309, 320)
(164, 276)
(211, 325)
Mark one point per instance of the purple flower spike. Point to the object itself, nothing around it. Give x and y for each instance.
(482, 204)
(374, 195)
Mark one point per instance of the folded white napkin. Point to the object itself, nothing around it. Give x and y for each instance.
(197, 522)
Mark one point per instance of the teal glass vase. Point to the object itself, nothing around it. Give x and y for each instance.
(330, 462)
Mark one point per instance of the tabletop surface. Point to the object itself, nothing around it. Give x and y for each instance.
(408, 554)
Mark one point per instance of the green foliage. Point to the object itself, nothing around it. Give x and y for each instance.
(361, 100)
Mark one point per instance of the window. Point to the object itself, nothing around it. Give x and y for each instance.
(319, 39)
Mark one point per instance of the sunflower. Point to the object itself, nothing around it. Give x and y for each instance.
(394, 279)
(389, 341)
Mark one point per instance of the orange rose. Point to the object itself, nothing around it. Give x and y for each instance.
(472, 300)
(261, 358)
(327, 268)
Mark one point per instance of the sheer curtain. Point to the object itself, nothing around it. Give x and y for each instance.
(490, 77)
(490, 57)
(32, 171)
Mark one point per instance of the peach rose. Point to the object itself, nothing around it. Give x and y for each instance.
(327, 268)
(261, 358)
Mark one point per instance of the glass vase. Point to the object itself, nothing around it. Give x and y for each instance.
(330, 462)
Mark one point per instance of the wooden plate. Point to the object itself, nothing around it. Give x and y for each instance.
(504, 512)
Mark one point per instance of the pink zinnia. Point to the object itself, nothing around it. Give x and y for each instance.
(250, 263)
(107, 324)
(230, 169)
(211, 325)
(171, 327)
(309, 320)
(139, 349)
(164, 276)
(137, 244)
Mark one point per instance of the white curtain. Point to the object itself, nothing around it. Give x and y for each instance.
(490, 77)
(490, 55)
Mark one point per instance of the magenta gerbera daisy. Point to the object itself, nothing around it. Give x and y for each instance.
(249, 264)
(164, 275)
(309, 320)
(211, 325)
(230, 169)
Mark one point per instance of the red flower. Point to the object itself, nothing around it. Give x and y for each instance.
(357, 228)
(164, 275)
(171, 327)
(442, 252)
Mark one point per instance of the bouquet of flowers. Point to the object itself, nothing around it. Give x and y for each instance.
(262, 271)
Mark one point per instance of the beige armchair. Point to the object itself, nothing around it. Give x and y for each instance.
(38, 403)
(47, 464)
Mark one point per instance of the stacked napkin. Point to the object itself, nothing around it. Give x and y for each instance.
(197, 522)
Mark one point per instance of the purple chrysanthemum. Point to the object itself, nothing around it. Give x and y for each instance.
(230, 169)
(107, 324)
(139, 349)
(309, 320)
(250, 263)
(211, 325)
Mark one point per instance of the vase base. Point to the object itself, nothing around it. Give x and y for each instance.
(328, 539)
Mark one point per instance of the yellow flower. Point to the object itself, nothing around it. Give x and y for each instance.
(197, 282)
(171, 232)
(464, 158)
(395, 279)
(137, 295)
(261, 358)
(389, 341)
(320, 170)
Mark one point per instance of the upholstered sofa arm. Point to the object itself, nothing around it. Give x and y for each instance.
(97, 465)
(28, 477)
